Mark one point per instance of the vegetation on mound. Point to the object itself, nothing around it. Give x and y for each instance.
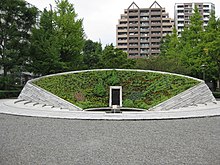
(140, 89)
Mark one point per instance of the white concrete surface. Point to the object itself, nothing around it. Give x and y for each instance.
(24, 108)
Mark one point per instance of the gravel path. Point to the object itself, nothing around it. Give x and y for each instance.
(30, 140)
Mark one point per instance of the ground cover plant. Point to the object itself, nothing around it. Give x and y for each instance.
(140, 89)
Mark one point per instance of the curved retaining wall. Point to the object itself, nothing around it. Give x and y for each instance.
(199, 94)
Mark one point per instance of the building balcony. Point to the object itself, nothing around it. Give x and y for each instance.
(122, 46)
(144, 14)
(155, 29)
(133, 25)
(121, 35)
(133, 52)
(133, 14)
(144, 41)
(155, 34)
(155, 40)
(156, 13)
(122, 25)
(155, 50)
(133, 40)
(121, 41)
(180, 13)
(121, 30)
(145, 52)
(133, 35)
(144, 46)
(167, 29)
(144, 34)
(167, 24)
(155, 18)
(133, 19)
(144, 30)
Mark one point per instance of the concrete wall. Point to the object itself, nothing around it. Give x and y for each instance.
(36, 94)
(199, 94)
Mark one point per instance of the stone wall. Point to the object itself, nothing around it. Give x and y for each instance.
(36, 94)
(199, 94)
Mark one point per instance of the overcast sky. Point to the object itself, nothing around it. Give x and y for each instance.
(100, 17)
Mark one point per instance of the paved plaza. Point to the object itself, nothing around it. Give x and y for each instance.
(32, 140)
(52, 136)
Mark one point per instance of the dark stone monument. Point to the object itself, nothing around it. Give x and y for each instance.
(116, 97)
(115, 100)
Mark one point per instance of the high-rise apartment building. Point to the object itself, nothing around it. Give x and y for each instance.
(183, 11)
(140, 30)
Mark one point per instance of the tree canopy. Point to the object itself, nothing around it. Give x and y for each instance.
(58, 42)
(16, 20)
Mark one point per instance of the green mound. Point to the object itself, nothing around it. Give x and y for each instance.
(140, 89)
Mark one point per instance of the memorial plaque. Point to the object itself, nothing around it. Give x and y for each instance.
(116, 97)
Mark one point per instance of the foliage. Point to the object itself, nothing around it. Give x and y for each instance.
(212, 42)
(5, 94)
(115, 58)
(92, 53)
(58, 42)
(99, 89)
(140, 89)
(216, 94)
(16, 21)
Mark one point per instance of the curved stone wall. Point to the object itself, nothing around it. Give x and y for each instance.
(199, 94)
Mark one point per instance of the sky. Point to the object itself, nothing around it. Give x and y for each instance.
(100, 17)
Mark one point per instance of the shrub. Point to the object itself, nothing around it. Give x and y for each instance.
(216, 94)
(128, 103)
(99, 89)
(6, 94)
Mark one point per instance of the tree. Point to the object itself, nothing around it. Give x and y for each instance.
(16, 20)
(57, 44)
(115, 58)
(191, 44)
(70, 32)
(92, 53)
(212, 42)
(170, 45)
(45, 52)
(162, 63)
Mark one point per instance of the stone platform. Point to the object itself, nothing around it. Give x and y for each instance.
(27, 108)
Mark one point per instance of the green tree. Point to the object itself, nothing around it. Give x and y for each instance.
(57, 44)
(162, 63)
(92, 52)
(170, 45)
(16, 20)
(115, 58)
(70, 32)
(191, 44)
(211, 44)
(45, 49)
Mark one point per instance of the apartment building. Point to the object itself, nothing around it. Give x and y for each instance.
(183, 11)
(140, 30)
